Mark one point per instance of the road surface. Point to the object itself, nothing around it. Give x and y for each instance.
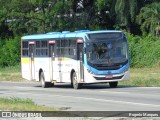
(95, 97)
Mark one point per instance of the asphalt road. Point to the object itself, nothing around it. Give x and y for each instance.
(95, 97)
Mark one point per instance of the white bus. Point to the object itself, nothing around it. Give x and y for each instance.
(80, 57)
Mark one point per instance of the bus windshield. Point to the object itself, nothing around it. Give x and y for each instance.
(107, 53)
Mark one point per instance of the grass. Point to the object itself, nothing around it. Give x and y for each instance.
(144, 77)
(12, 73)
(138, 76)
(19, 104)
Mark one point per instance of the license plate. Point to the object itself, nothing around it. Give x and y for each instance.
(109, 76)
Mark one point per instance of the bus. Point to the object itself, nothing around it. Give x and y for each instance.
(79, 57)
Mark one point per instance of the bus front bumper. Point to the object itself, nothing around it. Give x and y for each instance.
(90, 78)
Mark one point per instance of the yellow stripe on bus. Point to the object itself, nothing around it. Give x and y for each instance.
(25, 60)
(62, 59)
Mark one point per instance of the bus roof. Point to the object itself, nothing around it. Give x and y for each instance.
(80, 33)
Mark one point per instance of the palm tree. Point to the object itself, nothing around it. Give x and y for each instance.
(149, 18)
(86, 11)
(126, 11)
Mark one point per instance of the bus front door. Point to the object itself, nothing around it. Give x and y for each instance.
(52, 59)
(80, 57)
(31, 57)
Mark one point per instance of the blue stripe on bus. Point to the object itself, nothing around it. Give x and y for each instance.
(105, 72)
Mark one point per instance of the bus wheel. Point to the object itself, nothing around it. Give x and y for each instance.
(76, 85)
(43, 83)
(113, 84)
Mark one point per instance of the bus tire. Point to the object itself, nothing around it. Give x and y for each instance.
(43, 83)
(76, 85)
(113, 84)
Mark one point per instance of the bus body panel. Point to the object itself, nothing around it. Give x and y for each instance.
(42, 63)
(65, 67)
(25, 68)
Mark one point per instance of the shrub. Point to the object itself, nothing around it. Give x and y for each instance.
(144, 51)
(10, 52)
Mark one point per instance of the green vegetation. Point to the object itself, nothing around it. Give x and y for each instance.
(19, 104)
(19, 17)
(144, 51)
(10, 52)
(145, 77)
(11, 73)
(149, 18)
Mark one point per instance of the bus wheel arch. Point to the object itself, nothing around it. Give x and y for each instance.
(44, 84)
(74, 80)
(72, 71)
(40, 71)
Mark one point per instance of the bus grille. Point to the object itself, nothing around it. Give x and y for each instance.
(116, 67)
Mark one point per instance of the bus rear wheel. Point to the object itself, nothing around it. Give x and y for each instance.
(113, 84)
(43, 83)
(75, 83)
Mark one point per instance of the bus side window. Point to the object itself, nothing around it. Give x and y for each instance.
(31, 50)
(25, 48)
(51, 50)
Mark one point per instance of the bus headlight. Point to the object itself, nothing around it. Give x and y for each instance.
(90, 72)
(126, 70)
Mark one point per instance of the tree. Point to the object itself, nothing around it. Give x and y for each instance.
(149, 18)
(126, 11)
(106, 13)
(42, 14)
(4, 28)
(85, 11)
(27, 16)
(4, 31)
